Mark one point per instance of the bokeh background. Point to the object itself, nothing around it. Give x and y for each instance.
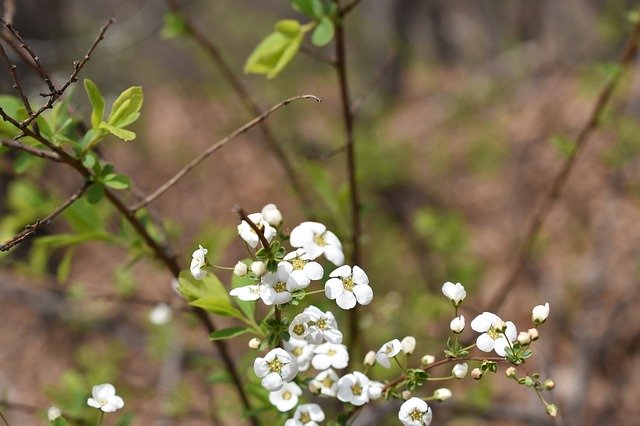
(466, 111)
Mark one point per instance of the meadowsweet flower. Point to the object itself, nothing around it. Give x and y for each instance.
(275, 369)
(428, 359)
(415, 412)
(275, 290)
(348, 286)
(286, 398)
(408, 345)
(254, 343)
(324, 327)
(301, 268)
(457, 324)
(540, 313)
(493, 331)
(53, 413)
(354, 388)
(326, 382)
(240, 269)
(247, 233)
(198, 262)
(455, 292)
(330, 355)
(459, 371)
(316, 240)
(302, 352)
(306, 415)
(476, 374)
(524, 338)
(104, 398)
(533, 334)
(299, 327)
(388, 351)
(370, 359)
(272, 215)
(259, 268)
(442, 394)
(375, 390)
(247, 292)
(161, 314)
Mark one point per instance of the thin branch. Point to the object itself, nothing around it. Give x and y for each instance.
(629, 53)
(259, 232)
(213, 148)
(11, 143)
(384, 69)
(349, 7)
(327, 155)
(9, 10)
(16, 80)
(313, 53)
(32, 229)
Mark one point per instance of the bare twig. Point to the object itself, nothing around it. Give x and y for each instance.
(16, 80)
(243, 216)
(629, 53)
(327, 155)
(384, 69)
(317, 55)
(32, 229)
(11, 143)
(213, 148)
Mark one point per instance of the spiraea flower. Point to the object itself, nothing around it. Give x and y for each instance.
(354, 388)
(442, 394)
(540, 313)
(240, 269)
(316, 240)
(301, 268)
(408, 345)
(299, 327)
(286, 398)
(326, 382)
(306, 415)
(459, 371)
(375, 390)
(249, 235)
(330, 355)
(324, 326)
(275, 369)
(53, 413)
(275, 290)
(388, 351)
(302, 352)
(455, 292)
(494, 333)
(247, 292)
(272, 215)
(457, 324)
(349, 286)
(104, 398)
(198, 263)
(415, 412)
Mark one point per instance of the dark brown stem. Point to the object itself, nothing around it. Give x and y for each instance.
(16, 81)
(243, 216)
(629, 53)
(11, 143)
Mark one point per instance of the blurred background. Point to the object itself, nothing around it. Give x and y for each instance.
(466, 110)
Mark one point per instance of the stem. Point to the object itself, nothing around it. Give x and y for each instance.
(441, 378)
(4, 419)
(101, 418)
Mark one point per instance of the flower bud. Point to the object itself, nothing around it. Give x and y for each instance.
(459, 371)
(457, 324)
(161, 314)
(254, 343)
(240, 270)
(406, 395)
(511, 372)
(272, 215)
(500, 326)
(408, 345)
(540, 313)
(375, 390)
(53, 413)
(552, 410)
(476, 373)
(533, 334)
(549, 384)
(455, 292)
(524, 338)
(370, 358)
(442, 394)
(428, 359)
(259, 268)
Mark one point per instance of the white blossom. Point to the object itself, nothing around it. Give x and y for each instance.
(415, 412)
(248, 234)
(428, 359)
(455, 292)
(302, 352)
(459, 371)
(326, 382)
(492, 337)
(370, 358)
(247, 292)
(388, 351)
(457, 324)
(408, 345)
(275, 290)
(240, 269)
(354, 388)
(540, 313)
(442, 394)
(524, 338)
(254, 343)
(286, 398)
(104, 397)
(53, 413)
(299, 327)
(316, 240)
(324, 327)
(198, 262)
(375, 390)
(161, 314)
(275, 369)
(259, 268)
(330, 355)
(272, 215)
(306, 415)
(348, 286)
(301, 268)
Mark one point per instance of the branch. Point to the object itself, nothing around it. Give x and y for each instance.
(11, 143)
(32, 229)
(16, 81)
(629, 53)
(213, 148)
(386, 65)
(349, 7)
(243, 216)
(317, 55)
(9, 10)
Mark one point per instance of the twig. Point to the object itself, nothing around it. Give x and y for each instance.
(9, 10)
(213, 148)
(386, 65)
(327, 155)
(3, 419)
(243, 216)
(317, 55)
(348, 7)
(552, 195)
(16, 81)
(32, 229)
(49, 155)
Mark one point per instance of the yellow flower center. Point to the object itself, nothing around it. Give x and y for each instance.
(280, 287)
(493, 333)
(298, 264)
(388, 348)
(305, 417)
(286, 395)
(331, 352)
(416, 415)
(297, 351)
(348, 284)
(298, 329)
(275, 366)
(322, 324)
(319, 240)
(327, 382)
(356, 389)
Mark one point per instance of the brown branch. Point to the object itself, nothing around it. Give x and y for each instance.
(11, 143)
(348, 7)
(213, 148)
(317, 55)
(243, 216)
(16, 81)
(9, 10)
(32, 229)
(629, 53)
(384, 69)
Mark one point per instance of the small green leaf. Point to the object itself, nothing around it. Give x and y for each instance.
(116, 181)
(125, 109)
(217, 305)
(95, 192)
(173, 27)
(125, 135)
(288, 27)
(62, 274)
(276, 50)
(323, 33)
(228, 333)
(97, 102)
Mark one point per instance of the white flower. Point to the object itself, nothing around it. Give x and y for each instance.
(247, 292)
(104, 397)
(408, 345)
(354, 388)
(330, 355)
(286, 398)
(348, 287)
(275, 290)
(272, 215)
(375, 390)
(301, 268)
(415, 412)
(326, 382)
(524, 338)
(455, 292)
(306, 415)
(324, 326)
(442, 394)
(247, 233)
(428, 359)
(259, 268)
(53, 413)
(316, 240)
(275, 369)
(540, 313)
(492, 338)
(198, 262)
(302, 351)
(299, 329)
(459, 371)
(161, 314)
(254, 343)
(370, 359)
(387, 351)
(457, 324)
(240, 270)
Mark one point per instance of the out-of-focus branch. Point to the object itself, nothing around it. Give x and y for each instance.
(11, 143)
(349, 7)
(9, 10)
(382, 72)
(11, 68)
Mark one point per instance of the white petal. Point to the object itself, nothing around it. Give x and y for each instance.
(363, 293)
(334, 255)
(359, 276)
(333, 336)
(343, 272)
(301, 235)
(321, 362)
(485, 343)
(272, 382)
(93, 403)
(334, 288)
(313, 270)
(260, 367)
(500, 345)
(346, 300)
(511, 331)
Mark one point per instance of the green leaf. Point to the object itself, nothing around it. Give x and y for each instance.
(125, 109)
(60, 421)
(116, 181)
(10, 105)
(125, 135)
(209, 286)
(97, 102)
(217, 305)
(228, 333)
(276, 50)
(95, 192)
(64, 267)
(323, 33)
(67, 240)
(173, 26)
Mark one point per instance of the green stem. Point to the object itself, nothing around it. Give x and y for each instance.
(101, 418)
(441, 378)
(404, 370)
